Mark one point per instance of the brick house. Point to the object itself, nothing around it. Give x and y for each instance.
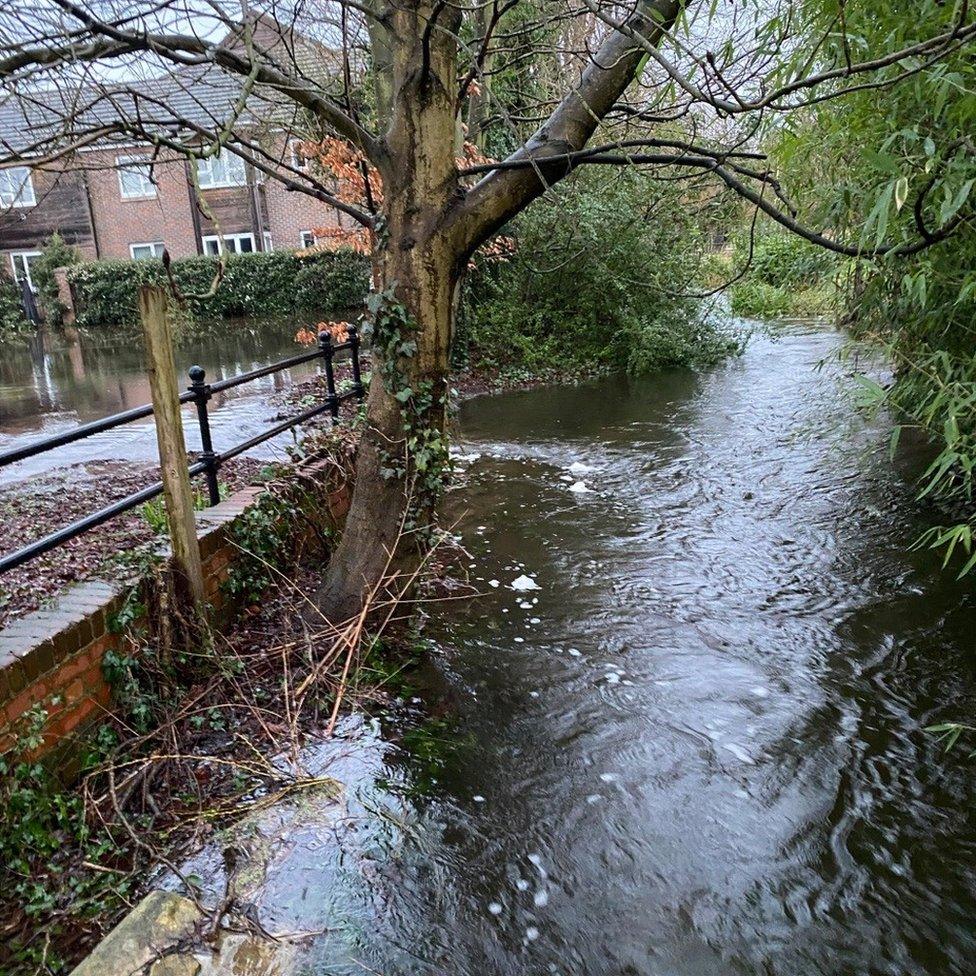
(116, 199)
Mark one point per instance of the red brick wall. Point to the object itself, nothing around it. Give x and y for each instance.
(290, 212)
(119, 222)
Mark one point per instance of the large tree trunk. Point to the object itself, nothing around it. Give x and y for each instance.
(430, 227)
(402, 456)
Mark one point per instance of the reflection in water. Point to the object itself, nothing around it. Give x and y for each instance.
(697, 749)
(54, 382)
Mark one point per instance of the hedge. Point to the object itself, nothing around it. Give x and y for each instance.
(12, 319)
(277, 283)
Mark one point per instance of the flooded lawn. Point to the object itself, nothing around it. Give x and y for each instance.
(683, 730)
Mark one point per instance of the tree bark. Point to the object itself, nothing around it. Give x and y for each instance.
(430, 228)
(416, 269)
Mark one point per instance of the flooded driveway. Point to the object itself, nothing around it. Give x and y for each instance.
(685, 735)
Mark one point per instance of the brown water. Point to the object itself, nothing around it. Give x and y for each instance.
(698, 749)
(53, 383)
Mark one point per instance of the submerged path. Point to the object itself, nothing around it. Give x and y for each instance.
(697, 749)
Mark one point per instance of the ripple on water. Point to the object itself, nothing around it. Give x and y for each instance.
(702, 749)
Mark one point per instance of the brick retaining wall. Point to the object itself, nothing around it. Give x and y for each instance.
(53, 657)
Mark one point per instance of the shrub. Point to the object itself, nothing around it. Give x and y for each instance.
(276, 283)
(588, 291)
(345, 283)
(12, 319)
(55, 254)
(787, 276)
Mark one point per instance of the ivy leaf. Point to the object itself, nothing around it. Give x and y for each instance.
(403, 395)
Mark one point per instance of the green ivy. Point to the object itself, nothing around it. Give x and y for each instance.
(42, 823)
(423, 463)
(262, 534)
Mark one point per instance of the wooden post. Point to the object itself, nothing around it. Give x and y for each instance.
(169, 434)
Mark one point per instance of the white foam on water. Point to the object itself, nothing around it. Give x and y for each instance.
(524, 583)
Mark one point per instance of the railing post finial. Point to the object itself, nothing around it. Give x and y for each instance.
(201, 395)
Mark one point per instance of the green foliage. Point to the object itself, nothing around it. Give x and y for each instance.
(55, 254)
(253, 284)
(41, 823)
(154, 511)
(891, 170)
(335, 285)
(786, 275)
(949, 734)
(595, 284)
(262, 534)
(131, 689)
(423, 461)
(12, 320)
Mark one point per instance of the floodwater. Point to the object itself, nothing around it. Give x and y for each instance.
(53, 383)
(698, 748)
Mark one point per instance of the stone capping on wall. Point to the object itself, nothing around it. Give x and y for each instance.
(53, 656)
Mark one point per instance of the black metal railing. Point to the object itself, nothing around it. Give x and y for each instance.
(199, 393)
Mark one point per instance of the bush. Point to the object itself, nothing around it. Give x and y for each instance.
(594, 285)
(55, 254)
(756, 299)
(277, 283)
(12, 319)
(787, 276)
(345, 283)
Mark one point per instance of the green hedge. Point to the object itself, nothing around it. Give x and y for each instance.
(12, 319)
(278, 283)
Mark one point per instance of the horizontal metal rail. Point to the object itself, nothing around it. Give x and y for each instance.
(199, 393)
(92, 521)
(80, 433)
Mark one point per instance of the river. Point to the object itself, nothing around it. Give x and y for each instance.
(698, 748)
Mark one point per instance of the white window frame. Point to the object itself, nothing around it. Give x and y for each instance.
(156, 249)
(268, 243)
(302, 234)
(223, 240)
(132, 166)
(297, 159)
(205, 173)
(14, 255)
(23, 195)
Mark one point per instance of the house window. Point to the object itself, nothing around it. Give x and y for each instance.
(298, 159)
(223, 170)
(135, 177)
(145, 252)
(20, 263)
(268, 245)
(307, 238)
(17, 187)
(232, 243)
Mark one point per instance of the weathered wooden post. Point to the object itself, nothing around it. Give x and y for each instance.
(169, 435)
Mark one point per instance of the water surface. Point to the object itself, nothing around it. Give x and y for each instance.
(698, 748)
(53, 383)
